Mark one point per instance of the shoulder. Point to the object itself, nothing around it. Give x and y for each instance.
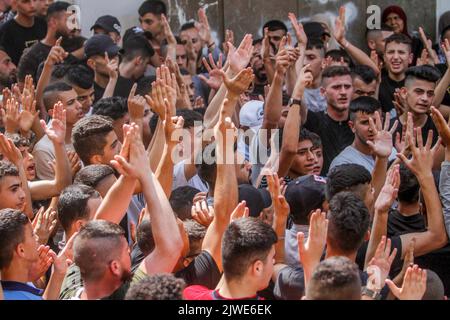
(197, 292)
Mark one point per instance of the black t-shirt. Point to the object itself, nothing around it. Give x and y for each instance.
(335, 135)
(16, 38)
(98, 92)
(387, 89)
(399, 224)
(429, 125)
(31, 59)
(123, 87)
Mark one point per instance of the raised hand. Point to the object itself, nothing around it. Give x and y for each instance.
(421, 163)
(239, 58)
(64, 259)
(10, 151)
(168, 34)
(446, 49)
(57, 54)
(136, 104)
(389, 192)
(380, 265)
(339, 28)
(382, 144)
(202, 213)
(229, 38)
(432, 56)
(28, 114)
(266, 46)
(202, 26)
(241, 211)
(283, 59)
(400, 103)
(302, 38)
(11, 116)
(414, 284)
(240, 83)
(112, 66)
(171, 125)
(215, 78)
(44, 223)
(57, 132)
(40, 267)
(304, 80)
(74, 161)
(281, 206)
(442, 126)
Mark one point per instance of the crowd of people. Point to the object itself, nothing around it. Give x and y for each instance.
(149, 164)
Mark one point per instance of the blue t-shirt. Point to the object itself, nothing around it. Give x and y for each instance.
(20, 291)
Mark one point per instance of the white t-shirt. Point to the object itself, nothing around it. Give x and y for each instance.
(179, 179)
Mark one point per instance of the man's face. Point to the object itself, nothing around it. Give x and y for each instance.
(338, 91)
(74, 110)
(192, 34)
(28, 163)
(8, 70)
(361, 89)
(307, 160)
(397, 57)
(314, 58)
(139, 67)
(118, 126)
(190, 87)
(30, 244)
(62, 28)
(26, 8)
(267, 271)
(111, 149)
(419, 95)
(394, 21)
(275, 38)
(361, 127)
(446, 35)
(41, 8)
(151, 23)
(257, 64)
(181, 56)
(85, 97)
(11, 193)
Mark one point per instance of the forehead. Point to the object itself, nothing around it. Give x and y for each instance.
(397, 46)
(8, 181)
(82, 92)
(339, 81)
(278, 33)
(3, 55)
(181, 49)
(191, 33)
(393, 15)
(363, 116)
(151, 16)
(414, 83)
(305, 144)
(313, 51)
(358, 82)
(68, 95)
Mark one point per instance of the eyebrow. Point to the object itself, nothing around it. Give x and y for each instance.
(16, 185)
(114, 143)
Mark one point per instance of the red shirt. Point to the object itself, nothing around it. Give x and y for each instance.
(202, 293)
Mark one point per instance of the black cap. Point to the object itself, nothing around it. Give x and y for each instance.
(99, 44)
(315, 30)
(304, 195)
(136, 31)
(253, 198)
(108, 23)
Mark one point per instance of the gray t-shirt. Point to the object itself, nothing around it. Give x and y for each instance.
(314, 100)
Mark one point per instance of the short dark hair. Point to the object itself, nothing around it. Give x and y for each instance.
(60, 71)
(275, 25)
(190, 117)
(384, 27)
(365, 73)
(157, 287)
(349, 221)
(336, 278)
(144, 237)
(144, 85)
(73, 204)
(337, 54)
(196, 233)
(12, 233)
(426, 72)
(305, 134)
(55, 8)
(181, 201)
(18, 140)
(317, 44)
(367, 105)
(81, 76)
(335, 71)
(245, 241)
(409, 188)
(399, 38)
(113, 107)
(137, 46)
(152, 6)
(98, 242)
(7, 169)
(52, 91)
(89, 136)
(347, 177)
(187, 26)
(93, 174)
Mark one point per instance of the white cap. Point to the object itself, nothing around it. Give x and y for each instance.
(252, 114)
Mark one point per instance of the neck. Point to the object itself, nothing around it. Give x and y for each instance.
(361, 147)
(102, 81)
(126, 70)
(17, 271)
(396, 77)
(24, 21)
(419, 120)
(316, 83)
(98, 289)
(236, 289)
(408, 209)
(331, 252)
(337, 115)
(50, 39)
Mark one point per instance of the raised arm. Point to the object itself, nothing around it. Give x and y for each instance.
(444, 83)
(113, 71)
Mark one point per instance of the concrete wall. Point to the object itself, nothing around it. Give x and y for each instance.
(248, 16)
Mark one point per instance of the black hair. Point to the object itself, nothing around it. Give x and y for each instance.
(144, 237)
(93, 174)
(349, 221)
(426, 72)
(366, 73)
(181, 200)
(190, 117)
(18, 140)
(244, 242)
(12, 233)
(337, 54)
(305, 134)
(399, 38)
(317, 44)
(52, 91)
(89, 136)
(137, 46)
(275, 25)
(367, 105)
(336, 278)
(196, 233)
(60, 71)
(384, 27)
(187, 26)
(73, 204)
(7, 169)
(157, 287)
(113, 107)
(347, 177)
(335, 71)
(409, 188)
(152, 6)
(81, 76)
(144, 85)
(56, 7)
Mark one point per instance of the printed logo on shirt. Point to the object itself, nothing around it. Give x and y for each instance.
(30, 43)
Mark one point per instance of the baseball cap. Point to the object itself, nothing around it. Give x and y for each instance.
(253, 198)
(108, 23)
(252, 114)
(315, 30)
(99, 44)
(304, 195)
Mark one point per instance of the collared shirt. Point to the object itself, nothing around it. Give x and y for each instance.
(13, 290)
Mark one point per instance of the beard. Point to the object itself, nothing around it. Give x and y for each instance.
(127, 276)
(7, 80)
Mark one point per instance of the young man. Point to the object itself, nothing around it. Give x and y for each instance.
(8, 70)
(12, 194)
(368, 143)
(314, 55)
(115, 108)
(365, 82)
(332, 125)
(157, 287)
(376, 39)
(44, 151)
(397, 57)
(23, 31)
(150, 13)
(247, 254)
(276, 30)
(98, 176)
(81, 78)
(110, 26)
(57, 27)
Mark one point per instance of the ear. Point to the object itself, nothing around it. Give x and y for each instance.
(323, 92)
(367, 236)
(96, 159)
(78, 224)
(114, 267)
(411, 58)
(403, 92)
(257, 268)
(351, 125)
(91, 63)
(138, 61)
(20, 250)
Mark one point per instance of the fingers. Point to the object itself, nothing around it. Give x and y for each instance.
(132, 93)
(394, 289)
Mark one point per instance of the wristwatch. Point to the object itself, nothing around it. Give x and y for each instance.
(371, 293)
(293, 101)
